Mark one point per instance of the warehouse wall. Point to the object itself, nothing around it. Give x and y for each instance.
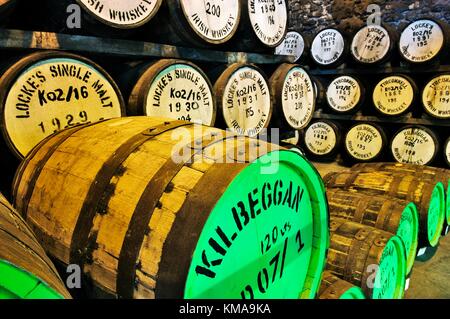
(310, 15)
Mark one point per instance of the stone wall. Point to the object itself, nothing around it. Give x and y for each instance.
(310, 16)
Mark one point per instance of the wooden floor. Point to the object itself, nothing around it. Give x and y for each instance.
(430, 279)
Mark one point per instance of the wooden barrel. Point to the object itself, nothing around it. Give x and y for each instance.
(386, 213)
(424, 41)
(425, 173)
(322, 139)
(345, 94)
(46, 92)
(161, 209)
(174, 89)
(25, 270)
(294, 44)
(329, 48)
(243, 99)
(292, 92)
(196, 23)
(428, 197)
(415, 144)
(365, 142)
(372, 259)
(436, 97)
(447, 151)
(333, 287)
(373, 44)
(394, 95)
(106, 18)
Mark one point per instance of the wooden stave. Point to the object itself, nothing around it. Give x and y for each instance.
(339, 138)
(219, 90)
(13, 72)
(228, 175)
(333, 287)
(347, 181)
(276, 83)
(144, 77)
(383, 137)
(366, 239)
(433, 135)
(21, 249)
(415, 97)
(429, 174)
(381, 212)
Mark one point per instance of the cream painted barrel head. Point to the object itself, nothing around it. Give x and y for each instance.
(175, 89)
(244, 95)
(269, 20)
(47, 92)
(436, 96)
(122, 14)
(414, 145)
(421, 41)
(344, 94)
(370, 44)
(215, 21)
(364, 142)
(327, 47)
(394, 95)
(293, 44)
(321, 138)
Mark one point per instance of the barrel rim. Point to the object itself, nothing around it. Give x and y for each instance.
(413, 85)
(141, 90)
(354, 292)
(437, 55)
(276, 85)
(385, 56)
(224, 78)
(362, 97)
(320, 240)
(401, 267)
(438, 194)
(118, 25)
(40, 289)
(412, 252)
(336, 130)
(424, 128)
(274, 45)
(201, 36)
(422, 95)
(16, 69)
(383, 145)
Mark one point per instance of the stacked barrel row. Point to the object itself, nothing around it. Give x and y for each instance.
(245, 24)
(382, 216)
(423, 41)
(46, 92)
(369, 102)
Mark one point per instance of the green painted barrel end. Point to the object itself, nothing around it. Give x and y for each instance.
(408, 231)
(447, 204)
(275, 249)
(390, 279)
(16, 283)
(353, 293)
(436, 214)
